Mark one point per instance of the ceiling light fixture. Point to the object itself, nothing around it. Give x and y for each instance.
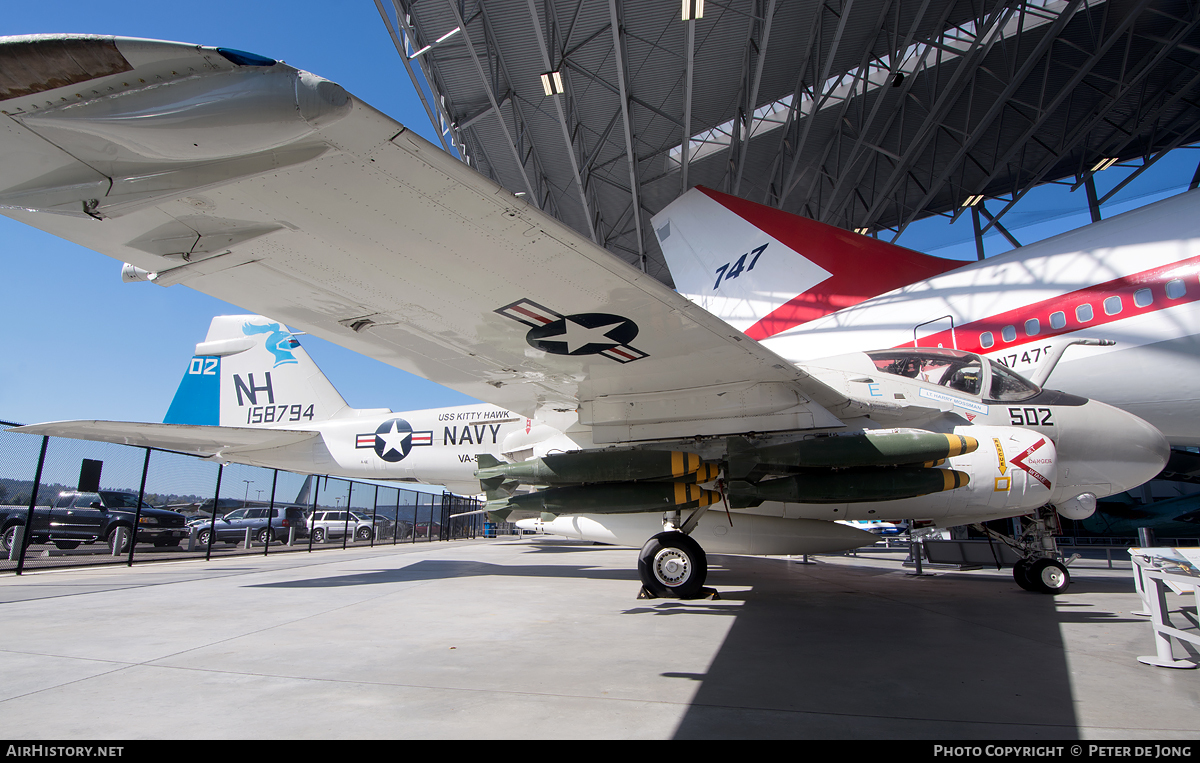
(438, 41)
(552, 83)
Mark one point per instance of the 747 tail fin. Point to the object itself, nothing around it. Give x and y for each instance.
(763, 270)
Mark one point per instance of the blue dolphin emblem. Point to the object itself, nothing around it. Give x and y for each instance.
(280, 343)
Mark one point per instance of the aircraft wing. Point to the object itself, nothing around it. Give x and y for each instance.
(197, 440)
(277, 191)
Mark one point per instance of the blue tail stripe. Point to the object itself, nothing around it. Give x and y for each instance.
(198, 399)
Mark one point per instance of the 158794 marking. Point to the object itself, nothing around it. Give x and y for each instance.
(271, 414)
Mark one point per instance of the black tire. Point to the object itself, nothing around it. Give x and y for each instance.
(672, 565)
(166, 543)
(265, 536)
(1021, 574)
(318, 535)
(202, 537)
(362, 533)
(1048, 576)
(111, 540)
(8, 539)
(66, 545)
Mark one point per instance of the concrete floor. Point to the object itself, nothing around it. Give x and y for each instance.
(542, 638)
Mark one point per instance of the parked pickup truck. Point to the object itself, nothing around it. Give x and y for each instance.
(78, 517)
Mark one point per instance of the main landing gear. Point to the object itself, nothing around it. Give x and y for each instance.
(1039, 569)
(672, 565)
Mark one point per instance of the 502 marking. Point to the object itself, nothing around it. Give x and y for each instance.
(727, 272)
(1029, 417)
(1029, 357)
(271, 414)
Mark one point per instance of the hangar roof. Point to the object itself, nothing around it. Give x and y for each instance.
(867, 114)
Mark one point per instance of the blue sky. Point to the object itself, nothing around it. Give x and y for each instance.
(79, 344)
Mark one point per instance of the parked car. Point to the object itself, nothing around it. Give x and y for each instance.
(83, 517)
(383, 525)
(337, 524)
(231, 528)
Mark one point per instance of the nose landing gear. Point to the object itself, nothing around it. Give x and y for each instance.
(1042, 575)
(1039, 569)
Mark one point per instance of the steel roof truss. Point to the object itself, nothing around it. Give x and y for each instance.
(568, 137)
(401, 48)
(1083, 129)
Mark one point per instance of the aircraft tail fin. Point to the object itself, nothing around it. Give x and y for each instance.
(763, 270)
(252, 371)
(304, 497)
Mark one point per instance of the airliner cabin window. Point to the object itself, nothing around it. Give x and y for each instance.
(1142, 297)
(1058, 320)
(986, 340)
(1112, 305)
(1008, 333)
(1033, 327)
(1176, 289)
(953, 369)
(1083, 313)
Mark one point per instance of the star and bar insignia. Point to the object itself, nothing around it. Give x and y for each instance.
(393, 439)
(579, 334)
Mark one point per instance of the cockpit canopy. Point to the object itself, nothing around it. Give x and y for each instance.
(963, 372)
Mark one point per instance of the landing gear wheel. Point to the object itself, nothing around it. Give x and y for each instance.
(1021, 574)
(672, 565)
(1048, 576)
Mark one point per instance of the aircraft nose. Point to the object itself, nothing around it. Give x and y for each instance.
(1115, 448)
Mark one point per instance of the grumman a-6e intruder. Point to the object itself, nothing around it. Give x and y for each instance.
(630, 412)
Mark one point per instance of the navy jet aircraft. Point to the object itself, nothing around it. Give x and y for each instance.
(276, 190)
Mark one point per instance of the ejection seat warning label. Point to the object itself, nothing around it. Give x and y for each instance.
(1146, 751)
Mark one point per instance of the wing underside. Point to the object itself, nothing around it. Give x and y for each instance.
(277, 191)
(196, 440)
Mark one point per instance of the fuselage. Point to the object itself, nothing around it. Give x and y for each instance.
(437, 446)
(1035, 446)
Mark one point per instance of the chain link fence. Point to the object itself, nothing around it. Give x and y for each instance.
(67, 502)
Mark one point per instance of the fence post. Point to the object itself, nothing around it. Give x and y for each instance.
(396, 527)
(37, 485)
(270, 514)
(137, 514)
(212, 526)
(443, 530)
(374, 516)
(313, 520)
